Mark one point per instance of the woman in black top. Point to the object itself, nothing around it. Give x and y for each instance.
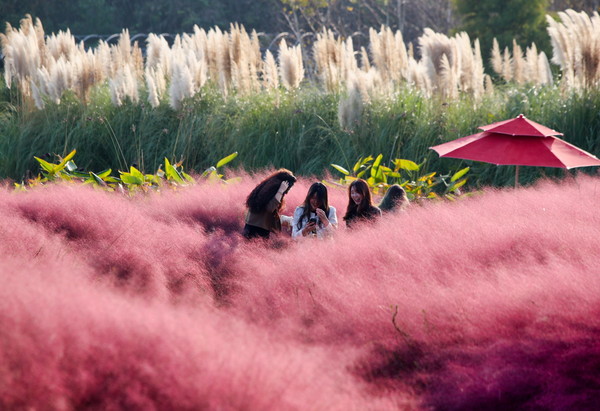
(360, 205)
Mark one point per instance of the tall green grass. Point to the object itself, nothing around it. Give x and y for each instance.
(297, 130)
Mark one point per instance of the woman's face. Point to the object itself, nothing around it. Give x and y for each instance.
(314, 202)
(356, 196)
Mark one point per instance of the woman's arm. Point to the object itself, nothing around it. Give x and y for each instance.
(282, 188)
(329, 222)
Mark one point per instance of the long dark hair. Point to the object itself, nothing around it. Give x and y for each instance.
(263, 193)
(321, 191)
(394, 198)
(362, 187)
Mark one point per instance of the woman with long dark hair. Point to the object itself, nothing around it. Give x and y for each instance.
(264, 204)
(315, 217)
(360, 204)
(395, 199)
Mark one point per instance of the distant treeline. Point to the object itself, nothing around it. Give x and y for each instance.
(142, 16)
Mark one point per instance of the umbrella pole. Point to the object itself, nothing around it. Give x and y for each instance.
(516, 176)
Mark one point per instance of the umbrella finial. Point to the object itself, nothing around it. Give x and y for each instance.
(520, 116)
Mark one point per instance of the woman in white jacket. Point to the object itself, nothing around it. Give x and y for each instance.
(315, 217)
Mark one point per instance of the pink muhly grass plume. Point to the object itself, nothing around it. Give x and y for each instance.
(154, 301)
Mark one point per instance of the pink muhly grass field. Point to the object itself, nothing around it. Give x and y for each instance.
(157, 302)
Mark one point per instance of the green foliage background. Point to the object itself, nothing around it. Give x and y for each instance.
(299, 131)
(521, 20)
(141, 16)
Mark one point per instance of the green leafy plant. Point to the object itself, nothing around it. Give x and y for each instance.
(133, 180)
(407, 174)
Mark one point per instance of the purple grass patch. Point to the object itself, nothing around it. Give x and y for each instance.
(157, 302)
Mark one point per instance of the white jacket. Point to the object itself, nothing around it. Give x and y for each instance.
(321, 231)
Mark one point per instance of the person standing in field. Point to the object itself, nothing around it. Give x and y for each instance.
(315, 217)
(264, 204)
(395, 199)
(360, 204)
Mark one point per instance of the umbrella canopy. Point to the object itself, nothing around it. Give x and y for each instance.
(503, 149)
(519, 142)
(520, 126)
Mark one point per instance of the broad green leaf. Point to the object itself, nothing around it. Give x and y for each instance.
(97, 179)
(362, 173)
(377, 161)
(227, 159)
(362, 162)
(69, 156)
(458, 184)
(64, 161)
(131, 179)
(408, 165)
(135, 172)
(374, 171)
(380, 176)
(459, 174)
(171, 172)
(188, 177)
(104, 174)
(79, 174)
(49, 167)
(427, 176)
(367, 160)
(357, 165)
(152, 178)
(340, 169)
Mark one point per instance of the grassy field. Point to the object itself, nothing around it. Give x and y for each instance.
(298, 131)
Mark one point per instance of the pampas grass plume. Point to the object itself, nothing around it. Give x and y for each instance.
(350, 107)
(518, 64)
(496, 57)
(291, 67)
(270, 75)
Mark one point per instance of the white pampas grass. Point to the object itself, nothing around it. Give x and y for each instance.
(270, 77)
(441, 57)
(182, 84)
(576, 47)
(544, 71)
(123, 85)
(350, 108)
(334, 60)
(291, 67)
(518, 68)
(496, 57)
(389, 54)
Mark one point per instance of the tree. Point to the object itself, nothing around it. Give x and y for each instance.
(349, 17)
(521, 20)
(142, 16)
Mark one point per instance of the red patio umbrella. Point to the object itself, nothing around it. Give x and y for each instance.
(520, 126)
(518, 142)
